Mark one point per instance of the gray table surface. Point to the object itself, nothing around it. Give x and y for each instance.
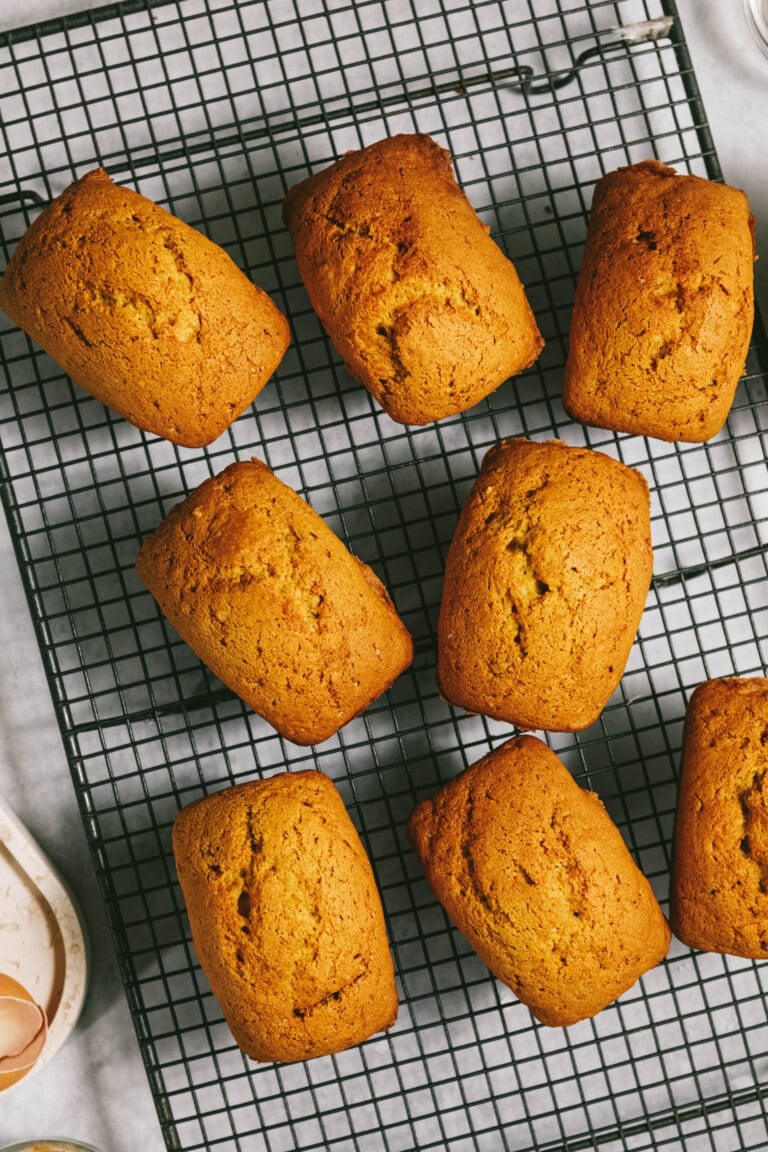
(95, 1089)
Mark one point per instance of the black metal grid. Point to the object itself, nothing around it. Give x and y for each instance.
(214, 108)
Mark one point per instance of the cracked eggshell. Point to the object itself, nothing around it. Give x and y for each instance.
(43, 948)
(23, 1031)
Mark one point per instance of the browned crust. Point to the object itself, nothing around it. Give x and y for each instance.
(285, 916)
(271, 600)
(719, 899)
(664, 305)
(545, 583)
(537, 877)
(417, 298)
(143, 312)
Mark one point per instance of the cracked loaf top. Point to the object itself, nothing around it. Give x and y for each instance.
(285, 916)
(533, 871)
(545, 583)
(143, 311)
(271, 600)
(664, 305)
(719, 898)
(418, 299)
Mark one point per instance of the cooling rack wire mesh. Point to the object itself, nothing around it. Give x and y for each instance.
(214, 109)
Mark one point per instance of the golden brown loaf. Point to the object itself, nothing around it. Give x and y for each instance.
(421, 303)
(285, 916)
(535, 874)
(270, 599)
(144, 312)
(545, 583)
(664, 305)
(720, 876)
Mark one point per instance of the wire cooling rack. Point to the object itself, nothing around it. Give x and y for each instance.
(214, 108)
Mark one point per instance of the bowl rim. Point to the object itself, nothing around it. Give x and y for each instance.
(758, 23)
(56, 1142)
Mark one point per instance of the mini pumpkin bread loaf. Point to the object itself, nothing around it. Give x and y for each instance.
(143, 312)
(285, 916)
(720, 877)
(545, 583)
(424, 307)
(535, 874)
(664, 305)
(270, 599)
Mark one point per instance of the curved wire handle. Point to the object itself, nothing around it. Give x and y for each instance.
(642, 32)
(519, 77)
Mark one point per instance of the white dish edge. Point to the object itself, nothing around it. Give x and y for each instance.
(43, 876)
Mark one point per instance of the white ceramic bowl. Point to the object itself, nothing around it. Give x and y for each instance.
(49, 1146)
(43, 944)
(757, 17)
